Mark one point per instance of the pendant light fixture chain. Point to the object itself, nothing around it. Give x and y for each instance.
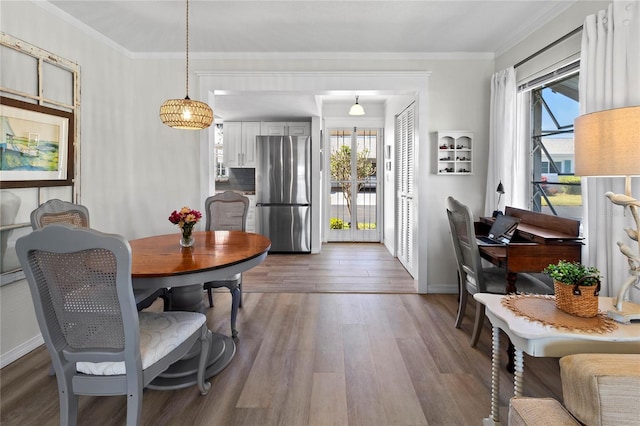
(185, 113)
(187, 52)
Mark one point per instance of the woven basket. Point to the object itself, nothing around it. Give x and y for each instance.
(578, 300)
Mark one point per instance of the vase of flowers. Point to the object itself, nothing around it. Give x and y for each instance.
(576, 287)
(185, 218)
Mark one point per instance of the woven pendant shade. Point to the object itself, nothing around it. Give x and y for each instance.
(186, 114)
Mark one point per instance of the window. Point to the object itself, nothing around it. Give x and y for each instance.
(554, 106)
(42, 79)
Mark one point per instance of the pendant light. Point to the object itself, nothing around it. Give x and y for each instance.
(186, 113)
(356, 109)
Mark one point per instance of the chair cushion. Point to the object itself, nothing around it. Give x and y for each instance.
(525, 411)
(160, 333)
(602, 389)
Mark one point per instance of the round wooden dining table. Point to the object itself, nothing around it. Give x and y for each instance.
(160, 262)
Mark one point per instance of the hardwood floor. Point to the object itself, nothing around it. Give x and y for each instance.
(313, 358)
(339, 267)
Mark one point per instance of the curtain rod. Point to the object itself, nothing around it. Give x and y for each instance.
(547, 47)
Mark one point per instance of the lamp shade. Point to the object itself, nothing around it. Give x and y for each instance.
(186, 114)
(356, 109)
(500, 188)
(607, 143)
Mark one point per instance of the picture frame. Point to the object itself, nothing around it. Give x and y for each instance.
(36, 145)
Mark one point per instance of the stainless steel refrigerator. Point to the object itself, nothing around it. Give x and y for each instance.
(283, 192)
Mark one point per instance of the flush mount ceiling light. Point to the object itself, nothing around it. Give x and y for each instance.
(356, 109)
(186, 113)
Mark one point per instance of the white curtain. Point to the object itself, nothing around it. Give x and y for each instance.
(609, 78)
(507, 156)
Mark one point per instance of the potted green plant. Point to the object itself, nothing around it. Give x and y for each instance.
(576, 287)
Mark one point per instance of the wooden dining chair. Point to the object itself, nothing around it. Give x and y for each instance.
(473, 277)
(227, 211)
(59, 211)
(80, 282)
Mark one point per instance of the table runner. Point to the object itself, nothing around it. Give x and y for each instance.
(542, 309)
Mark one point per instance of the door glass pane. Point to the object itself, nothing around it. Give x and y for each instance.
(340, 166)
(366, 182)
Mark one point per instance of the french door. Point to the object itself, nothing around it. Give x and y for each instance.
(354, 192)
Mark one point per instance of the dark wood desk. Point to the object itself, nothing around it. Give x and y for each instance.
(540, 239)
(160, 262)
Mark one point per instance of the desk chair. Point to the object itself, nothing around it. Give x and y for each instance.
(227, 211)
(80, 282)
(472, 276)
(58, 211)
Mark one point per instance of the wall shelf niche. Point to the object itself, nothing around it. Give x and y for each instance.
(454, 152)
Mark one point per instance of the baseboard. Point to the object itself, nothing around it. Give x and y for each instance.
(390, 249)
(21, 350)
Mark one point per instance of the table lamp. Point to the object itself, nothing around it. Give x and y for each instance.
(500, 191)
(607, 143)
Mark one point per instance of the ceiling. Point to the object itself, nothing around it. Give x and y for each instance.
(307, 28)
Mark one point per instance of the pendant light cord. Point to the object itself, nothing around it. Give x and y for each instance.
(187, 51)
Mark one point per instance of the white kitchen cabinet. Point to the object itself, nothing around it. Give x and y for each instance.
(273, 128)
(240, 143)
(279, 128)
(299, 129)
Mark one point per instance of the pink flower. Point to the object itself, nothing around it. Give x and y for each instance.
(185, 217)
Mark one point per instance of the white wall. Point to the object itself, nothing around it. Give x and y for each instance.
(135, 170)
(106, 104)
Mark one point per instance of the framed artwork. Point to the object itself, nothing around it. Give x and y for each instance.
(36, 145)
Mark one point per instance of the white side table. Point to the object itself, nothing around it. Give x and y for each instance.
(540, 340)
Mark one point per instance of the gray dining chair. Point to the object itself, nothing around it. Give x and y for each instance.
(59, 211)
(473, 277)
(80, 282)
(227, 211)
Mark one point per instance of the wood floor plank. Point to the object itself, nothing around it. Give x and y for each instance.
(398, 395)
(293, 395)
(329, 350)
(328, 400)
(434, 392)
(363, 397)
(270, 363)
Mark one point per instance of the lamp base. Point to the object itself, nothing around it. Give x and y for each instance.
(497, 213)
(630, 312)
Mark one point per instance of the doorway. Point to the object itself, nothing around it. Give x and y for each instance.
(354, 211)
